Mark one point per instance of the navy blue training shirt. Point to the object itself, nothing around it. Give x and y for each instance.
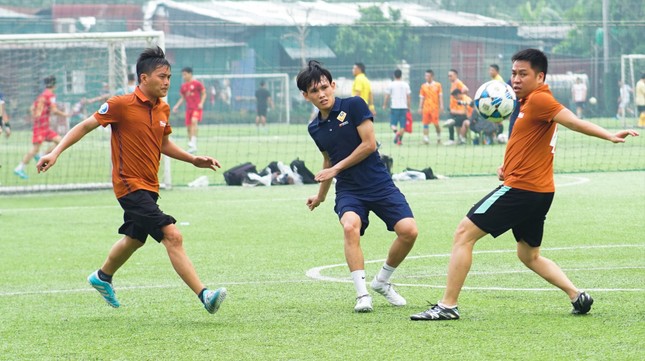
(339, 137)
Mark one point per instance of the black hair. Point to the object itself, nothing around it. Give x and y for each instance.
(455, 92)
(495, 66)
(312, 74)
(187, 69)
(50, 81)
(360, 66)
(454, 71)
(535, 57)
(151, 59)
(429, 71)
(398, 73)
(262, 83)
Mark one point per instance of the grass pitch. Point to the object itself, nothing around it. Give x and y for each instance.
(260, 243)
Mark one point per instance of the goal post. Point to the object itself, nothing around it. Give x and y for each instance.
(87, 66)
(631, 67)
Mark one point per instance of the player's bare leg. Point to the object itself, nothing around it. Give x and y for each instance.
(545, 268)
(461, 258)
(406, 234)
(173, 241)
(120, 253)
(351, 223)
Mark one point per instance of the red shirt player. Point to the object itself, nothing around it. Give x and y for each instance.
(42, 109)
(192, 92)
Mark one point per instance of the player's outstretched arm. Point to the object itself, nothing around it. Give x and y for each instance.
(169, 148)
(73, 136)
(571, 121)
(314, 201)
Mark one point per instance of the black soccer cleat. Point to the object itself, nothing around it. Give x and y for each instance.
(437, 313)
(582, 304)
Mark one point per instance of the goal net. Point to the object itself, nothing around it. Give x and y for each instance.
(631, 68)
(89, 67)
(237, 93)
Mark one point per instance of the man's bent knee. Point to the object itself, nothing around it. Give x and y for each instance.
(172, 238)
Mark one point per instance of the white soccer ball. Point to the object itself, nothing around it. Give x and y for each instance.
(495, 101)
(593, 100)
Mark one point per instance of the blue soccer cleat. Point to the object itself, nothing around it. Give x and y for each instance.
(214, 299)
(21, 173)
(105, 289)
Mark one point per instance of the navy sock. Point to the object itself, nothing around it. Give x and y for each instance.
(104, 276)
(201, 295)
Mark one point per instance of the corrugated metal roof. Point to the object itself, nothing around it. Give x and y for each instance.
(319, 13)
(6, 13)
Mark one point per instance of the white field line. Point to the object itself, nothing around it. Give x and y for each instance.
(315, 275)
(316, 272)
(122, 288)
(575, 181)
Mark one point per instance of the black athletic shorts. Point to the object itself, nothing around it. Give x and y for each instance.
(459, 119)
(142, 216)
(508, 208)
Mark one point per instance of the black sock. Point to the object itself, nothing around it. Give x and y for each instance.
(104, 276)
(201, 295)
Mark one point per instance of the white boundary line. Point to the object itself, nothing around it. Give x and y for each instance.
(316, 272)
(122, 288)
(576, 181)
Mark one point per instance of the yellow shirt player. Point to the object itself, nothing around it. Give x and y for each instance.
(362, 87)
(493, 71)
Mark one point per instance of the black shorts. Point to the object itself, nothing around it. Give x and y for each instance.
(459, 119)
(142, 216)
(261, 111)
(508, 208)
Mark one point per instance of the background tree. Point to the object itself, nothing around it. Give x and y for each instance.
(376, 35)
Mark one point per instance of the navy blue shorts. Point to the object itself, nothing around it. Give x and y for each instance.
(142, 216)
(508, 208)
(397, 117)
(391, 208)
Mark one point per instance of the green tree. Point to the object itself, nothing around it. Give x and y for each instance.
(626, 28)
(376, 36)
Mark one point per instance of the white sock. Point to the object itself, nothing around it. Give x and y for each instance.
(193, 142)
(446, 306)
(20, 167)
(359, 282)
(385, 273)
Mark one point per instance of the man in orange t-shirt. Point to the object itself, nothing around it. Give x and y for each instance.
(140, 134)
(523, 200)
(430, 105)
(456, 111)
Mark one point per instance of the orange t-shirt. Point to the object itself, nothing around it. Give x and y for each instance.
(138, 129)
(431, 94)
(457, 84)
(528, 161)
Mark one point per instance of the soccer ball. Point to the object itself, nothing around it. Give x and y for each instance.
(495, 100)
(593, 101)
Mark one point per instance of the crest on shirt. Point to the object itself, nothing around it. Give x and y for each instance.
(520, 115)
(162, 123)
(104, 108)
(341, 116)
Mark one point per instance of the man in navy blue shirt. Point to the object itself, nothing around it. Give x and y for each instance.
(344, 133)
